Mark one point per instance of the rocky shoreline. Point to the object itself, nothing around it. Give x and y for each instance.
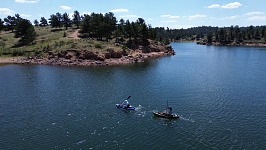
(76, 57)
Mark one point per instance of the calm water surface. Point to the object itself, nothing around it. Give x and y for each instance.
(219, 92)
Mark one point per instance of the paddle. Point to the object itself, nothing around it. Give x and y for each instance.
(128, 97)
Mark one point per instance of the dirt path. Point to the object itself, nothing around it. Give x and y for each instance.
(74, 35)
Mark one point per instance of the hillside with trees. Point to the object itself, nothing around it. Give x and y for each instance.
(99, 37)
(233, 35)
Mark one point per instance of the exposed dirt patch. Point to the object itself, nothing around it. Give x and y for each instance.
(74, 35)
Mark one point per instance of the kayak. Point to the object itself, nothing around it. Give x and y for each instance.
(126, 107)
(165, 115)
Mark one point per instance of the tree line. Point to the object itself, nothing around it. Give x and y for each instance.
(106, 27)
(96, 25)
(22, 28)
(223, 35)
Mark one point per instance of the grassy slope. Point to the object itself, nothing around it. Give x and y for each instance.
(49, 40)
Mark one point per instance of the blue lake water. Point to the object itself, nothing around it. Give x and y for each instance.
(219, 92)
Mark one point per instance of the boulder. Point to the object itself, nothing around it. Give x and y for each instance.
(88, 55)
(100, 57)
(114, 54)
(68, 56)
(61, 54)
(125, 53)
(107, 55)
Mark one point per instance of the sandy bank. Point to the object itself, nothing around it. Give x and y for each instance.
(9, 60)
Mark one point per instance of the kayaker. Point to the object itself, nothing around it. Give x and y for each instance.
(125, 103)
(170, 110)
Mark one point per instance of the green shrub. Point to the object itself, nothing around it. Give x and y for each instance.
(1, 51)
(30, 54)
(64, 34)
(62, 43)
(2, 44)
(18, 52)
(47, 48)
(69, 42)
(39, 54)
(5, 51)
(98, 45)
(73, 45)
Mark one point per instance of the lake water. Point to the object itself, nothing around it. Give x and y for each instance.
(219, 92)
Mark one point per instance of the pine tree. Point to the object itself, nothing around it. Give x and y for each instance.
(109, 24)
(221, 36)
(85, 25)
(10, 23)
(152, 33)
(129, 32)
(2, 26)
(66, 20)
(25, 31)
(237, 34)
(43, 22)
(59, 19)
(263, 31)
(264, 35)
(257, 34)
(209, 37)
(250, 32)
(144, 34)
(36, 22)
(17, 18)
(54, 21)
(76, 18)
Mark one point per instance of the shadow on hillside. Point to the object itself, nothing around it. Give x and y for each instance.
(56, 30)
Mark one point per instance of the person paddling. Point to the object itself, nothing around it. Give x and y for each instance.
(126, 101)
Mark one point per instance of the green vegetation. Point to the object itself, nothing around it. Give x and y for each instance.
(76, 19)
(98, 32)
(223, 36)
(25, 31)
(1, 24)
(49, 40)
